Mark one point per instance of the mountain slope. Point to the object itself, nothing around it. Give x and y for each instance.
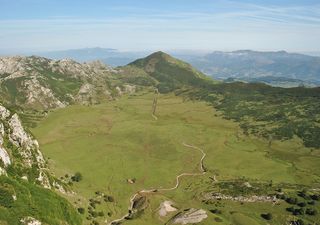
(26, 186)
(171, 73)
(40, 83)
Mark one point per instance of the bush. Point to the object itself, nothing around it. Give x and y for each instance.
(267, 216)
(215, 211)
(290, 209)
(6, 198)
(77, 177)
(101, 214)
(299, 211)
(301, 204)
(108, 198)
(315, 197)
(311, 212)
(217, 219)
(81, 210)
(297, 222)
(95, 223)
(291, 200)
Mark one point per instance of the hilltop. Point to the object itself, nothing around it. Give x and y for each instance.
(170, 72)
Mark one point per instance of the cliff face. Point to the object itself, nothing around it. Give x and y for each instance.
(20, 151)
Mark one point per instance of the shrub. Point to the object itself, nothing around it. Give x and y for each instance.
(267, 216)
(94, 214)
(291, 200)
(101, 214)
(297, 222)
(311, 212)
(215, 211)
(81, 210)
(301, 204)
(95, 223)
(6, 198)
(290, 209)
(217, 219)
(77, 177)
(315, 197)
(108, 198)
(299, 211)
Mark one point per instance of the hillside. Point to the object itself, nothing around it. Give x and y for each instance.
(26, 185)
(42, 84)
(170, 72)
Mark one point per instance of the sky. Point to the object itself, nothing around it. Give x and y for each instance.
(139, 25)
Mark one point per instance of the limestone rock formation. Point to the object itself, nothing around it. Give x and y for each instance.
(190, 216)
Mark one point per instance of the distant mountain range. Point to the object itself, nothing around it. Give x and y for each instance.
(280, 68)
(109, 56)
(272, 68)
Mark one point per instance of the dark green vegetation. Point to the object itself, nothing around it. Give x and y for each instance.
(34, 201)
(268, 112)
(262, 110)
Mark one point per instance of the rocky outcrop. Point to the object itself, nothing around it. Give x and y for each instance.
(30, 221)
(126, 89)
(41, 95)
(249, 199)
(27, 151)
(166, 208)
(43, 84)
(189, 216)
(4, 113)
(4, 156)
(18, 136)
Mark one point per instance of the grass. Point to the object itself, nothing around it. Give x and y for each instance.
(112, 142)
(35, 201)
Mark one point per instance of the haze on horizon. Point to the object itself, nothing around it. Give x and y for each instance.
(45, 25)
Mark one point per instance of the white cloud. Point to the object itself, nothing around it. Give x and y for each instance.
(243, 26)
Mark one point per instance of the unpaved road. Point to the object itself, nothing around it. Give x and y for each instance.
(202, 172)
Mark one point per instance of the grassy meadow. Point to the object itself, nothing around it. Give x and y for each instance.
(119, 140)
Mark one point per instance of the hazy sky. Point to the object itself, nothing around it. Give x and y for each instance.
(41, 25)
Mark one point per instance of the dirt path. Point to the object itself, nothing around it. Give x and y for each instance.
(202, 169)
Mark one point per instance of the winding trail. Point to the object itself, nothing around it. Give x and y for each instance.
(202, 172)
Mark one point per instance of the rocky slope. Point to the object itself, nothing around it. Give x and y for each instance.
(40, 83)
(25, 178)
(20, 151)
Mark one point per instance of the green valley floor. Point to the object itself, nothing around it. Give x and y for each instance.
(119, 149)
